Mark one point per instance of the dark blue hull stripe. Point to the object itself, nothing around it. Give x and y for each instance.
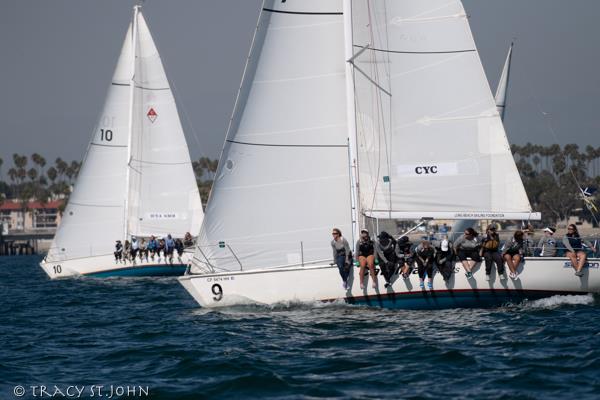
(143, 270)
(453, 298)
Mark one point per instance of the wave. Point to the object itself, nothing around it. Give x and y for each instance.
(559, 301)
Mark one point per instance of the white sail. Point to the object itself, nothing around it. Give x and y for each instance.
(502, 89)
(283, 178)
(431, 142)
(163, 193)
(93, 218)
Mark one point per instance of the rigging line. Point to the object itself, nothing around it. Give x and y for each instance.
(139, 87)
(301, 12)
(107, 145)
(370, 79)
(421, 52)
(553, 132)
(160, 163)
(92, 205)
(286, 145)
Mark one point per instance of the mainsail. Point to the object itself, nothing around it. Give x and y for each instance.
(502, 89)
(162, 192)
(283, 179)
(431, 142)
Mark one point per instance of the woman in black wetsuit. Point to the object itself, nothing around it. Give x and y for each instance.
(575, 251)
(365, 250)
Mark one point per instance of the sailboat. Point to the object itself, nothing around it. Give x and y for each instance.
(136, 179)
(350, 111)
(502, 89)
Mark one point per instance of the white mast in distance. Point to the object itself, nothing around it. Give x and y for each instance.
(130, 122)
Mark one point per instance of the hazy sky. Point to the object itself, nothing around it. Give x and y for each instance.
(57, 60)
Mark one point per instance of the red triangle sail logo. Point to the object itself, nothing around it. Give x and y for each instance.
(152, 115)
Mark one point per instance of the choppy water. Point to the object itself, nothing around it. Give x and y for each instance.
(148, 332)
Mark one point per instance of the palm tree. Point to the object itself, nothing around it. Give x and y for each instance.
(39, 161)
(61, 167)
(32, 174)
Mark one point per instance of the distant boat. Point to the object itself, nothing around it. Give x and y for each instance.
(352, 110)
(136, 178)
(502, 89)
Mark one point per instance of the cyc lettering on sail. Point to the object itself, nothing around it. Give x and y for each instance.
(422, 170)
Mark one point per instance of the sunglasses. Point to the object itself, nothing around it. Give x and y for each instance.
(334, 233)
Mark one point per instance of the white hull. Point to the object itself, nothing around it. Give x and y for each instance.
(539, 277)
(105, 266)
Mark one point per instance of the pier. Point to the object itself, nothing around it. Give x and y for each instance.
(25, 242)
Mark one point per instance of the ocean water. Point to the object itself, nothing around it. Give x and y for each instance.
(147, 338)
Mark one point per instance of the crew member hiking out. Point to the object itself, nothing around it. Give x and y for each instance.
(365, 250)
(405, 256)
(386, 255)
(425, 255)
(490, 250)
(575, 249)
(467, 249)
(513, 253)
(444, 259)
(342, 255)
(118, 251)
(547, 244)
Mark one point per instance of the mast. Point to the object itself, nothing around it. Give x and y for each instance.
(351, 112)
(134, 29)
(502, 90)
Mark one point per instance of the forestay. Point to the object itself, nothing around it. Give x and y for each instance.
(93, 218)
(430, 140)
(163, 195)
(283, 178)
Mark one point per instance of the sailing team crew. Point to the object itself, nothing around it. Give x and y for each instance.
(399, 256)
(148, 251)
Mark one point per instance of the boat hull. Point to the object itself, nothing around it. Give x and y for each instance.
(538, 278)
(105, 266)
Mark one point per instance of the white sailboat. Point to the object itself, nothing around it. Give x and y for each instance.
(351, 110)
(502, 89)
(136, 178)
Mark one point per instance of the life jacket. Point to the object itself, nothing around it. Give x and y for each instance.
(491, 242)
(426, 253)
(405, 248)
(366, 248)
(388, 249)
(575, 242)
(514, 246)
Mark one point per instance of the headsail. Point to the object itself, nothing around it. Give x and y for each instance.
(431, 142)
(502, 90)
(283, 177)
(163, 193)
(93, 218)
